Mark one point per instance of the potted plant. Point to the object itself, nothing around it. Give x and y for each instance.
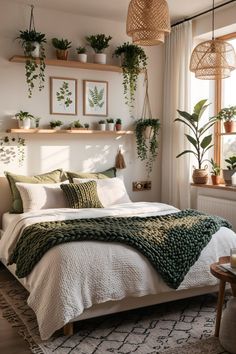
(102, 124)
(228, 115)
(99, 42)
(215, 172)
(147, 147)
(33, 45)
(55, 124)
(24, 119)
(86, 125)
(77, 125)
(62, 46)
(198, 139)
(110, 124)
(118, 124)
(82, 56)
(133, 61)
(231, 169)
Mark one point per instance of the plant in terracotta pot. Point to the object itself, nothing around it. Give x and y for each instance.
(231, 169)
(118, 124)
(24, 119)
(215, 172)
(82, 56)
(55, 124)
(133, 61)
(99, 42)
(62, 48)
(200, 142)
(228, 115)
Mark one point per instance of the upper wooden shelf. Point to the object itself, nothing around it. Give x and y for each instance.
(70, 131)
(71, 64)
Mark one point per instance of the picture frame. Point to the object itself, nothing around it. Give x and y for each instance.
(63, 96)
(95, 98)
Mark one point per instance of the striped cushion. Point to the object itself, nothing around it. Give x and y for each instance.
(82, 195)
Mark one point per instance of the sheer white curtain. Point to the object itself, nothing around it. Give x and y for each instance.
(175, 186)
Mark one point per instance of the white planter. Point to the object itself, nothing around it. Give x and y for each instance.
(100, 58)
(82, 58)
(24, 124)
(102, 126)
(110, 126)
(148, 133)
(227, 175)
(56, 128)
(36, 52)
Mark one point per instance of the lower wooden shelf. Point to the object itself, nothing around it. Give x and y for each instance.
(69, 131)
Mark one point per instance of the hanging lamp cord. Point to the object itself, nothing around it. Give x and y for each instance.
(213, 20)
(32, 26)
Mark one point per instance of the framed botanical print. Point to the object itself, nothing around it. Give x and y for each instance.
(95, 98)
(63, 96)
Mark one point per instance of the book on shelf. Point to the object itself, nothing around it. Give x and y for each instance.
(227, 267)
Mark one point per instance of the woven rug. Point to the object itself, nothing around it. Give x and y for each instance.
(180, 327)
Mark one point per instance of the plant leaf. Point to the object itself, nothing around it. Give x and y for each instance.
(206, 141)
(191, 140)
(198, 107)
(183, 121)
(186, 152)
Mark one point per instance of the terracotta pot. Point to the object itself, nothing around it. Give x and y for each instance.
(215, 179)
(118, 127)
(62, 54)
(230, 126)
(200, 176)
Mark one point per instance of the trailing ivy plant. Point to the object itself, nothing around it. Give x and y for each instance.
(147, 147)
(134, 60)
(33, 71)
(8, 152)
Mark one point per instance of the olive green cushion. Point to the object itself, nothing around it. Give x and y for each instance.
(49, 177)
(110, 173)
(82, 195)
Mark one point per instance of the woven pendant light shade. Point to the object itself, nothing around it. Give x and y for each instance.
(148, 21)
(212, 60)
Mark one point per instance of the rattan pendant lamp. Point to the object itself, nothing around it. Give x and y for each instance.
(213, 59)
(148, 21)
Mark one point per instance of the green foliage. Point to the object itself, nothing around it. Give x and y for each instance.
(215, 168)
(201, 144)
(33, 70)
(62, 44)
(110, 120)
(23, 115)
(98, 42)
(227, 114)
(96, 97)
(55, 123)
(86, 125)
(77, 124)
(102, 121)
(147, 148)
(134, 60)
(64, 95)
(81, 50)
(7, 150)
(118, 121)
(231, 161)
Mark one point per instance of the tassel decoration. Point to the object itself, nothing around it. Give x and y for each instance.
(120, 161)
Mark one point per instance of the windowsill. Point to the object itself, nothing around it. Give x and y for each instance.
(219, 187)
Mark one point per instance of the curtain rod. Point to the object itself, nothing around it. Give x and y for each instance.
(201, 13)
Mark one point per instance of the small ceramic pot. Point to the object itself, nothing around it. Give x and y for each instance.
(24, 124)
(215, 180)
(100, 58)
(148, 132)
(118, 127)
(82, 58)
(110, 126)
(230, 126)
(62, 54)
(102, 126)
(227, 175)
(33, 48)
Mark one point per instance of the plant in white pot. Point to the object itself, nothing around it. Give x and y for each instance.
(24, 119)
(102, 124)
(110, 124)
(82, 56)
(99, 42)
(56, 124)
(231, 169)
(228, 116)
(198, 139)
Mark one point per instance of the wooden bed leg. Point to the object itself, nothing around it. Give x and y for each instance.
(68, 329)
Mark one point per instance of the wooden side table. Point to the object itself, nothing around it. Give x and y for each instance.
(224, 277)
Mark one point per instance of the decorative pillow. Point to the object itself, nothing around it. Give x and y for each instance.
(82, 195)
(49, 177)
(36, 196)
(110, 190)
(110, 173)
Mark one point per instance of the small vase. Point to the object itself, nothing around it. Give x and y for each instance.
(100, 58)
(215, 180)
(110, 126)
(62, 54)
(230, 126)
(102, 126)
(24, 124)
(200, 176)
(82, 58)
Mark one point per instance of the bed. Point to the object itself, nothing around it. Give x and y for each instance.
(81, 280)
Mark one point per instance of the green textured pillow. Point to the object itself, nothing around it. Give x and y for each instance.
(82, 195)
(49, 177)
(110, 173)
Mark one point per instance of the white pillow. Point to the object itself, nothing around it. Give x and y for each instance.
(37, 196)
(110, 190)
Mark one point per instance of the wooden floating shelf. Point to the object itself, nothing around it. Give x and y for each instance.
(71, 64)
(69, 131)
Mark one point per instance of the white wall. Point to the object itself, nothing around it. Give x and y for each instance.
(92, 153)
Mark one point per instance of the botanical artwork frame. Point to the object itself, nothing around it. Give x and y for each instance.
(95, 98)
(63, 96)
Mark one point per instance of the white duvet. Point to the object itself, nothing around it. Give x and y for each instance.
(74, 276)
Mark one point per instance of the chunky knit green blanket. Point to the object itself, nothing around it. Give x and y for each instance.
(172, 243)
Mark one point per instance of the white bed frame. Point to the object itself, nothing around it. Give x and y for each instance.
(110, 306)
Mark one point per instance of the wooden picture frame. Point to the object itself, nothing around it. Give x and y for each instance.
(63, 96)
(95, 98)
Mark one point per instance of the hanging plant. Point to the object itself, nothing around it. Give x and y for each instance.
(8, 152)
(32, 43)
(133, 61)
(146, 132)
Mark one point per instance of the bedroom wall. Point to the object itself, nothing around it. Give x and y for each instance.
(93, 153)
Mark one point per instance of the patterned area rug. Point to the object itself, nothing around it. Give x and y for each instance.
(180, 327)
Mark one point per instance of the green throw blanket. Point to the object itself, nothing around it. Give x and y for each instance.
(172, 243)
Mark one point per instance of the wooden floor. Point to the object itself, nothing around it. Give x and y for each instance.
(10, 341)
